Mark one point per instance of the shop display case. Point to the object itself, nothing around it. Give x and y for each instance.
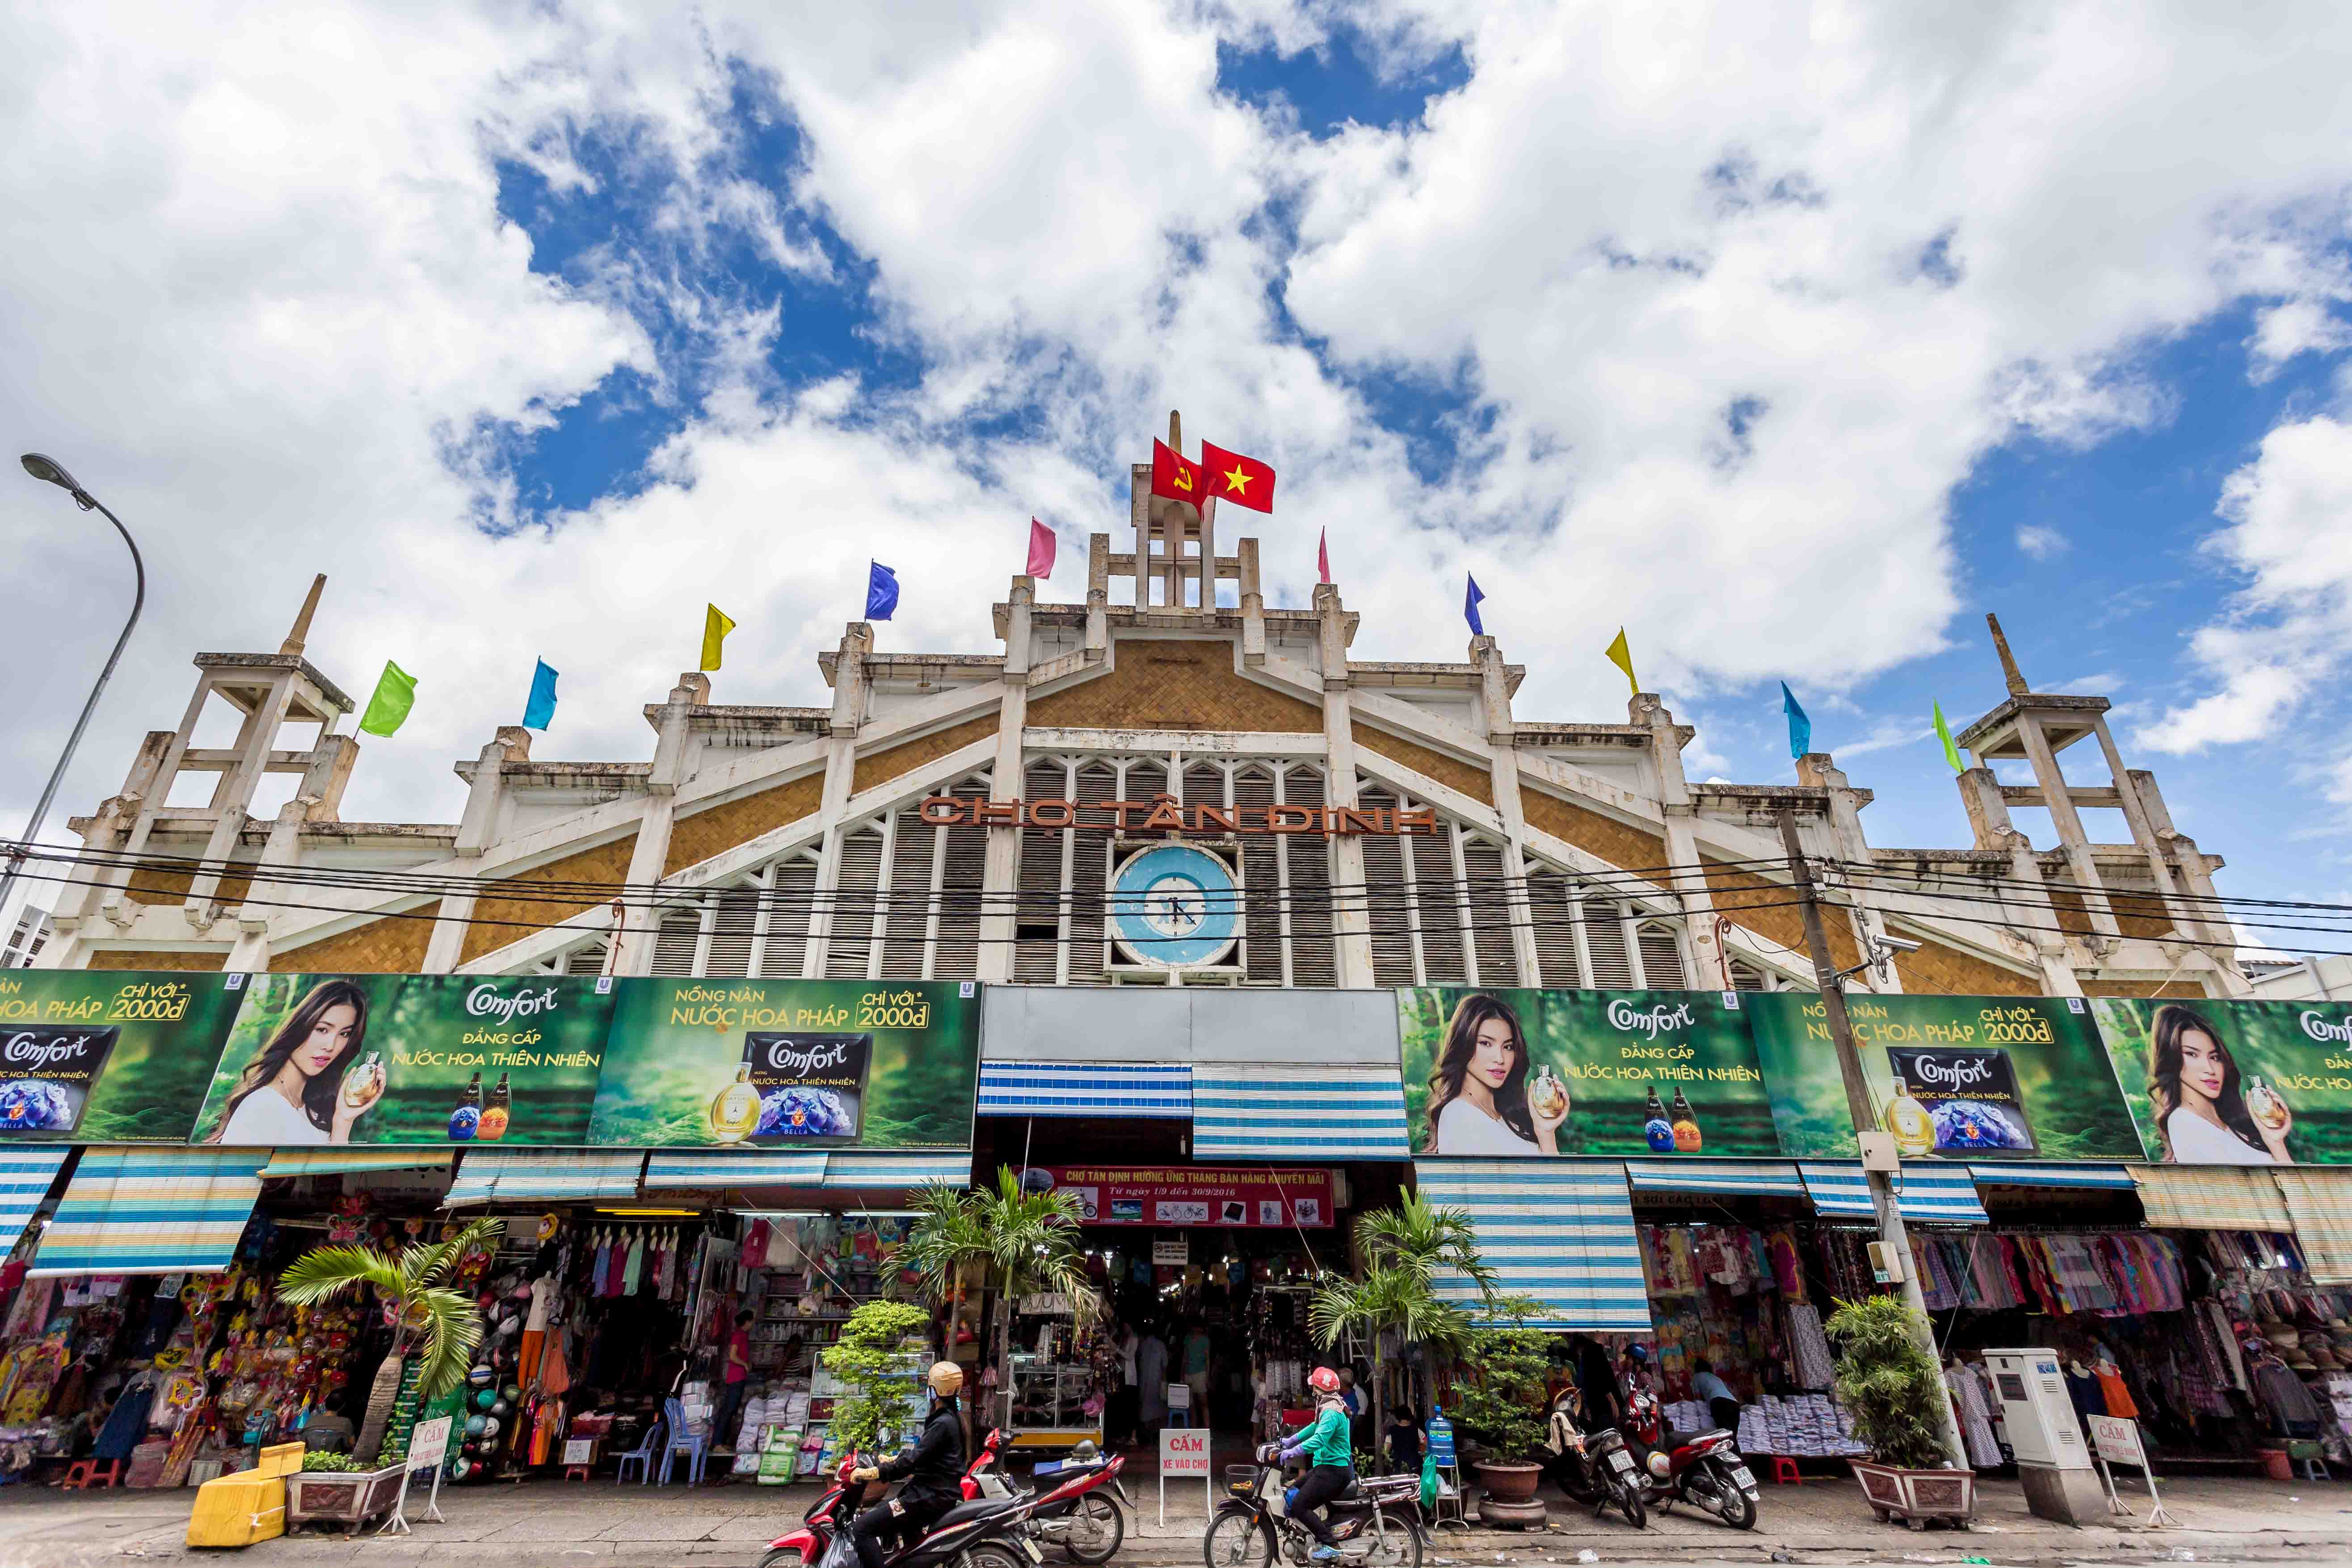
(1050, 1399)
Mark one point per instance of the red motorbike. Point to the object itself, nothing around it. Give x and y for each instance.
(985, 1533)
(1702, 1469)
(1086, 1524)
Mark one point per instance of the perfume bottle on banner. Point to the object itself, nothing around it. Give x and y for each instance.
(1907, 1120)
(1685, 1124)
(466, 1119)
(495, 1113)
(1656, 1131)
(1546, 1096)
(735, 1109)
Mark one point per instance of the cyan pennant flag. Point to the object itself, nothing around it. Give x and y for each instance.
(1800, 728)
(1470, 607)
(541, 712)
(881, 591)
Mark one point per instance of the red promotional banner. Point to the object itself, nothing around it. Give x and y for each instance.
(1131, 1194)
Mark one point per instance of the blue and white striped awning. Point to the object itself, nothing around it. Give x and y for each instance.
(151, 1211)
(1762, 1178)
(1558, 1230)
(26, 1173)
(1243, 1111)
(2026, 1173)
(833, 1170)
(1926, 1193)
(1162, 1089)
(545, 1176)
(332, 1162)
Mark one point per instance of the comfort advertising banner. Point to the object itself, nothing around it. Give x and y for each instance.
(108, 1058)
(790, 1064)
(2234, 1083)
(1132, 1194)
(1974, 1077)
(409, 1059)
(1491, 1074)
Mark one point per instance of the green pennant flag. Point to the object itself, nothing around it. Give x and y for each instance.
(1944, 734)
(395, 693)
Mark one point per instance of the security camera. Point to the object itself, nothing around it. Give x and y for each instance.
(1897, 943)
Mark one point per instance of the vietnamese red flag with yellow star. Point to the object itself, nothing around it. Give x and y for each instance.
(1176, 476)
(1244, 482)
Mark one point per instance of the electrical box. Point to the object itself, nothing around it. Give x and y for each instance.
(1878, 1152)
(1885, 1263)
(2042, 1427)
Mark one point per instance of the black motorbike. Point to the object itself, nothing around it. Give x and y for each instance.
(1596, 1468)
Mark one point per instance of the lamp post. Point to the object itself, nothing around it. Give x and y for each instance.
(50, 471)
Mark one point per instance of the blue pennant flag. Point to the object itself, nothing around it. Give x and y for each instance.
(881, 591)
(540, 712)
(1800, 728)
(1470, 607)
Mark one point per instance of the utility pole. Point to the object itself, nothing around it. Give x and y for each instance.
(1891, 1231)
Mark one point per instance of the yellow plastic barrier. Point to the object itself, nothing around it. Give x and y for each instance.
(248, 1506)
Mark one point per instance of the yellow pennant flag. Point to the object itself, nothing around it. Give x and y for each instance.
(1622, 655)
(715, 627)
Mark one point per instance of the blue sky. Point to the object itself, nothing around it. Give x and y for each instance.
(1795, 347)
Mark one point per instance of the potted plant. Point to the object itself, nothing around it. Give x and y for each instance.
(430, 1322)
(870, 1364)
(1499, 1405)
(1888, 1380)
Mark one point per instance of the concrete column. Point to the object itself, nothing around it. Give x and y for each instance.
(849, 699)
(234, 794)
(332, 761)
(1351, 925)
(1989, 816)
(250, 952)
(634, 944)
(1820, 770)
(1503, 782)
(1098, 597)
(1252, 605)
(1001, 872)
(477, 829)
(112, 902)
(1709, 966)
(2071, 836)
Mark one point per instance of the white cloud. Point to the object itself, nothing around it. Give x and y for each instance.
(1737, 295)
(2040, 544)
(2290, 628)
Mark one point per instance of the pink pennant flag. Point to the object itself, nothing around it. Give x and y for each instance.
(1041, 550)
(1322, 556)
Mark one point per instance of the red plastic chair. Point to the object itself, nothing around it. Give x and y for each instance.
(85, 1474)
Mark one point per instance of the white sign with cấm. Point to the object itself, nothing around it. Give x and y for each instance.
(1184, 1451)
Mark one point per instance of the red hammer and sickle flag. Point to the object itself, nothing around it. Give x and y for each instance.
(1236, 479)
(1175, 476)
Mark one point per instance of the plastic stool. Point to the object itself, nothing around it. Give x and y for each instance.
(84, 1473)
(1178, 1418)
(575, 1472)
(1784, 1471)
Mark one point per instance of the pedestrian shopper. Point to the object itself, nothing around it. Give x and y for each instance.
(1722, 1405)
(732, 1380)
(1404, 1443)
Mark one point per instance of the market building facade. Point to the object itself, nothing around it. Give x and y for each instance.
(1213, 911)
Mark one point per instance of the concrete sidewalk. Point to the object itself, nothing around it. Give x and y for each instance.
(601, 1525)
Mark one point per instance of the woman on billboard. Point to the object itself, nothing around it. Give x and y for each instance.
(2203, 1114)
(292, 1091)
(1478, 1100)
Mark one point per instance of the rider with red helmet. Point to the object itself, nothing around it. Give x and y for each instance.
(1325, 1444)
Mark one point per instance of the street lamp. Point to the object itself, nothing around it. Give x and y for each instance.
(50, 471)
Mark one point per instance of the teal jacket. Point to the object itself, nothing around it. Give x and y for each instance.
(1325, 1441)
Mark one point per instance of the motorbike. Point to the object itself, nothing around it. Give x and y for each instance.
(1702, 1469)
(1088, 1525)
(986, 1533)
(1375, 1523)
(1597, 1468)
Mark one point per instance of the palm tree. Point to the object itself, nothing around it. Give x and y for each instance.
(1027, 1242)
(423, 1312)
(1404, 1250)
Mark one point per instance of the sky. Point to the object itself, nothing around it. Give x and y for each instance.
(1793, 338)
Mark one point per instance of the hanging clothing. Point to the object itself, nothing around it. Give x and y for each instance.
(1970, 1398)
(1815, 1367)
(126, 1424)
(634, 1270)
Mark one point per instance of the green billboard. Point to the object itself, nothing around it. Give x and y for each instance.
(1492, 1073)
(1975, 1078)
(2235, 1083)
(103, 1057)
(409, 1059)
(790, 1064)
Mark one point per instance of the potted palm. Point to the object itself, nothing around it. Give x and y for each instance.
(430, 1322)
(1026, 1243)
(1402, 1249)
(1889, 1382)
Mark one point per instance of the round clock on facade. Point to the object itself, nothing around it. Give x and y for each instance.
(1175, 907)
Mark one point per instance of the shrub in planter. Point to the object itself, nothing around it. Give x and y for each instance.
(1888, 1380)
(1498, 1403)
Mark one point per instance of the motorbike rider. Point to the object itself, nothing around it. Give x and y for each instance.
(1326, 1443)
(932, 1469)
